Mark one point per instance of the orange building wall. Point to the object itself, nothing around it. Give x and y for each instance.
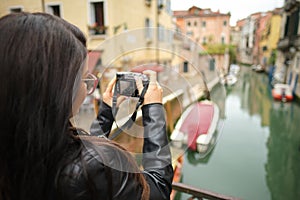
(213, 30)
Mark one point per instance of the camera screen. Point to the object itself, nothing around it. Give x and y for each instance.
(127, 88)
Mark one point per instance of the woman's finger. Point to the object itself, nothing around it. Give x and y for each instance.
(139, 84)
(110, 85)
(151, 74)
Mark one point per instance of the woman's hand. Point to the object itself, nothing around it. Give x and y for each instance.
(109, 93)
(154, 91)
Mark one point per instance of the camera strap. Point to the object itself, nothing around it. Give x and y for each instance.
(132, 119)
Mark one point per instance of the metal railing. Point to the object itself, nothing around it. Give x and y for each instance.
(200, 194)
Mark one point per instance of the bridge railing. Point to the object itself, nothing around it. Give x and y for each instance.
(200, 194)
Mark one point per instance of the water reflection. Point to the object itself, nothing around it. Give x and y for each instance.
(283, 165)
(283, 158)
(258, 155)
(195, 158)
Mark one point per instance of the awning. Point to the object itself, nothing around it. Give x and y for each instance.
(141, 68)
(94, 57)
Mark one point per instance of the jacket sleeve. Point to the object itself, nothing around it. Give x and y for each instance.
(103, 123)
(158, 170)
(157, 161)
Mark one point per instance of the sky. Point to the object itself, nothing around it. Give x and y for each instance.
(239, 9)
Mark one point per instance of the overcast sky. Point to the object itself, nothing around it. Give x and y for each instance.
(239, 9)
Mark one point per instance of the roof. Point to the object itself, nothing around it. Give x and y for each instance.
(199, 12)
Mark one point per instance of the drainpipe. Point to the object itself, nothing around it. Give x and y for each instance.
(43, 5)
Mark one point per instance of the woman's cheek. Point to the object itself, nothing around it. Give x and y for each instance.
(82, 93)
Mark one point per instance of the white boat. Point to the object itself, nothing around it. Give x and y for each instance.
(234, 69)
(228, 80)
(197, 126)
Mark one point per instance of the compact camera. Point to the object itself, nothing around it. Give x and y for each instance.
(126, 84)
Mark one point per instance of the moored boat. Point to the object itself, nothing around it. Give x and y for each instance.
(228, 80)
(282, 92)
(196, 126)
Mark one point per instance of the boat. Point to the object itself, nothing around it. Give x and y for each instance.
(282, 92)
(228, 80)
(234, 69)
(257, 68)
(197, 126)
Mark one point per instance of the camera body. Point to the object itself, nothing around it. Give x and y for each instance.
(126, 84)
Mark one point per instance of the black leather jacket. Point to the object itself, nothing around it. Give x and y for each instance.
(113, 183)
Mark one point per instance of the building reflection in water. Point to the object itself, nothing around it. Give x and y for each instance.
(283, 143)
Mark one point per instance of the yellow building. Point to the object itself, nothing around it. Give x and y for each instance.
(270, 37)
(104, 19)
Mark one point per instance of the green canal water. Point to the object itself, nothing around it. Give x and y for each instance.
(257, 155)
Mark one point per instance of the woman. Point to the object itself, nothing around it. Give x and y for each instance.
(43, 82)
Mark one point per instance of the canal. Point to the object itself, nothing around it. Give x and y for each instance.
(257, 154)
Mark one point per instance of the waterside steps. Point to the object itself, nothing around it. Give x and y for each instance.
(199, 193)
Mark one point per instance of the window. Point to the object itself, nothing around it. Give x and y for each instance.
(148, 2)
(170, 36)
(15, 10)
(190, 33)
(297, 62)
(54, 9)
(204, 40)
(97, 20)
(204, 24)
(148, 31)
(161, 36)
(168, 7)
(286, 26)
(264, 48)
(223, 40)
(195, 23)
(224, 23)
(160, 4)
(212, 63)
(188, 23)
(185, 66)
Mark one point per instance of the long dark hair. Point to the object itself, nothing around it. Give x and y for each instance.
(40, 60)
(41, 57)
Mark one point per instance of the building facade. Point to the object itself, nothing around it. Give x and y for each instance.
(270, 37)
(103, 19)
(247, 46)
(204, 26)
(236, 37)
(207, 29)
(288, 58)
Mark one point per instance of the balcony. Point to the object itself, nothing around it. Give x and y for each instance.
(287, 42)
(96, 29)
(283, 43)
